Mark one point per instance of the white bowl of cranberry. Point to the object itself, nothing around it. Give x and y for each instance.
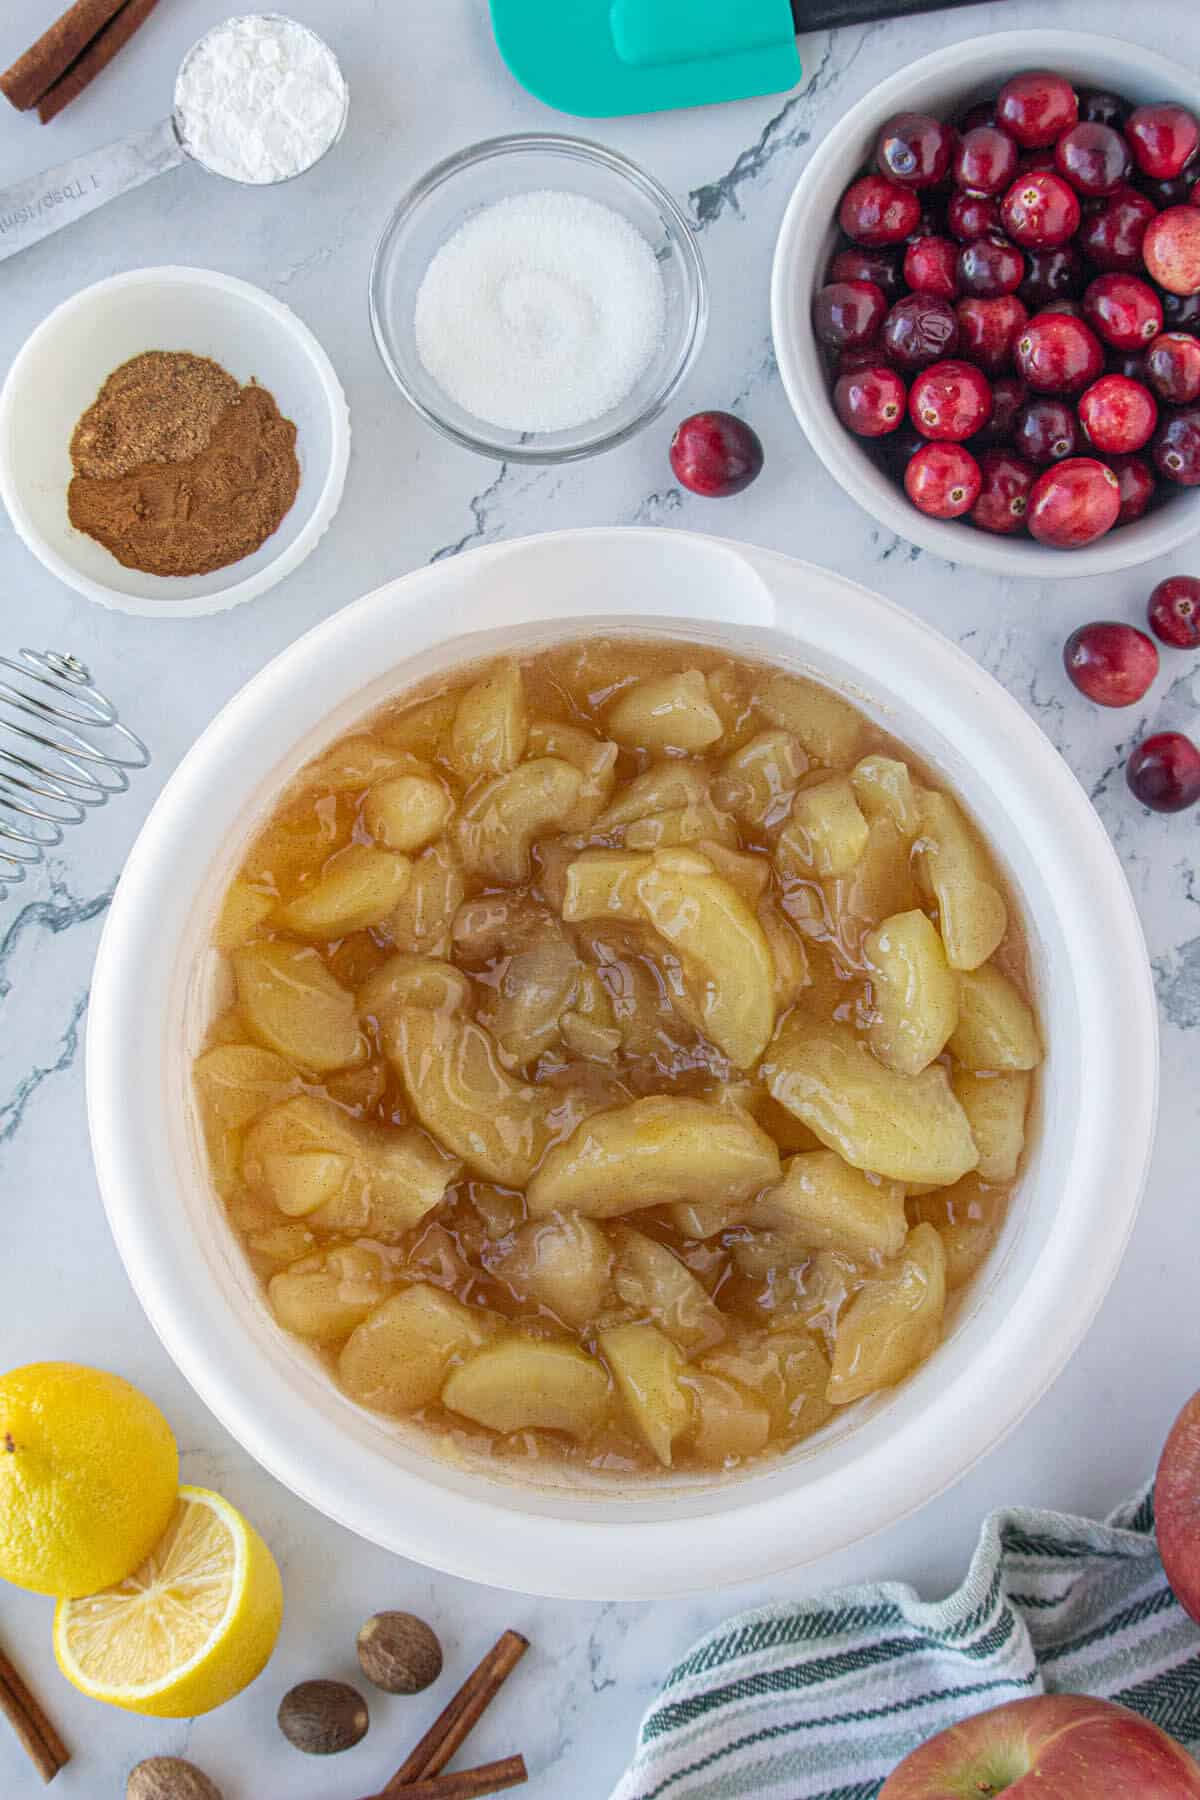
(986, 303)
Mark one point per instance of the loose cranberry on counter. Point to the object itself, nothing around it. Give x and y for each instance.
(876, 212)
(1045, 431)
(1073, 503)
(1122, 309)
(1118, 415)
(1103, 108)
(1163, 138)
(1174, 611)
(988, 329)
(986, 160)
(1164, 772)
(1176, 447)
(970, 216)
(1171, 249)
(716, 454)
(1040, 210)
(1005, 485)
(1037, 107)
(920, 330)
(1112, 236)
(951, 400)
(914, 149)
(1135, 484)
(870, 402)
(1051, 275)
(858, 263)
(931, 267)
(1113, 664)
(1173, 367)
(848, 312)
(990, 267)
(942, 480)
(1058, 354)
(1092, 157)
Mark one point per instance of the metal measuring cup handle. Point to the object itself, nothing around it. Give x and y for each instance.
(41, 204)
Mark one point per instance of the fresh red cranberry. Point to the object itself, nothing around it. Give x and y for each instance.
(1177, 191)
(1111, 237)
(1036, 162)
(862, 356)
(1171, 249)
(1173, 367)
(1009, 395)
(1045, 431)
(1040, 210)
(982, 113)
(1051, 275)
(1058, 354)
(914, 149)
(990, 267)
(1072, 308)
(1164, 772)
(1037, 107)
(1118, 415)
(1176, 447)
(919, 330)
(1135, 484)
(1130, 363)
(1092, 157)
(951, 400)
(870, 402)
(716, 454)
(848, 312)
(931, 267)
(1103, 108)
(942, 480)
(986, 160)
(1005, 485)
(1113, 664)
(896, 450)
(931, 221)
(875, 212)
(1181, 312)
(858, 263)
(1123, 309)
(1073, 503)
(988, 329)
(971, 216)
(1163, 138)
(1174, 611)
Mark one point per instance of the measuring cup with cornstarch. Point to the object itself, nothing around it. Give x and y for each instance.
(258, 99)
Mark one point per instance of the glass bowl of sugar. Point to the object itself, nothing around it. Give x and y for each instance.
(538, 298)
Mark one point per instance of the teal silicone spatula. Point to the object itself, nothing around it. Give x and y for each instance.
(599, 58)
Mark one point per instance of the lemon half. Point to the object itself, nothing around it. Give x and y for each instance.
(189, 1629)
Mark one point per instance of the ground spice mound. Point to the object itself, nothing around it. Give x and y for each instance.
(159, 407)
(190, 514)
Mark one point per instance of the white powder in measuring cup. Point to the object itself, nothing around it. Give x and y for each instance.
(541, 312)
(259, 98)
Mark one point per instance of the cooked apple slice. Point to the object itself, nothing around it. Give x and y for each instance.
(244, 911)
(788, 955)
(602, 884)
(356, 763)
(663, 787)
(909, 1128)
(650, 1278)
(995, 1106)
(595, 758)
(785, 1371)
(651, 1153)
(954, 869)
(968, 1218)
(647, 1367)
(824, 1204)
(421, 729)
(892, 1324)
(525, 1384)
(915, 992)
(666, 712)
(491, 723)
(408, 811)
(564, 1262)
(681, 827)
(996, 1028)
(358, 887)
(324, 1296)
(236, 1082)
(750, 876)
(462, 1094)
(421, 923)
(300, 1183)
(829, 729)
(398, 1358)
(499, 823)
(404, 980)
(728, 1422)
(826, 832)
(884, 789)
(758, 781)
(293, 1005)
(535, 990)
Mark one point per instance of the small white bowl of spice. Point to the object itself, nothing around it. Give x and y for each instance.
(538, 298)
(172, 442)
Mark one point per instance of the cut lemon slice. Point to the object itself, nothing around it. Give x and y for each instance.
(189, 1629)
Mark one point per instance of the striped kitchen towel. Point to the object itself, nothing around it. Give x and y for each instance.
(820, 1700)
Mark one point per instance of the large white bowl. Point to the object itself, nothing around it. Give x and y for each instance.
(1067, 1228)
(61, 367)
(945, 83)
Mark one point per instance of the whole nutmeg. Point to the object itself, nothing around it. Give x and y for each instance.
(323, 1717)
(169, 1778)
(399, 1652)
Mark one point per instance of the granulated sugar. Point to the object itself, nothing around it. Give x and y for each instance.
(541, 312)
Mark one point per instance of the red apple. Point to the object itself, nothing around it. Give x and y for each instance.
(1177, 1507)
(1049, 1747)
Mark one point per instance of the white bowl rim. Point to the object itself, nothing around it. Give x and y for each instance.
(804, 380)
(324, 506)
(466, 1534)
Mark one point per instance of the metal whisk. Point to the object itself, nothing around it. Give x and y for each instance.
(51, 774)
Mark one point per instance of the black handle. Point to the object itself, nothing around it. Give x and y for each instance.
(826, 15)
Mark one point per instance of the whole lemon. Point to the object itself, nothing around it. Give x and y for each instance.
(88, 1477)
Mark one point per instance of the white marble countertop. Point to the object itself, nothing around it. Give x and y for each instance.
(425, 79)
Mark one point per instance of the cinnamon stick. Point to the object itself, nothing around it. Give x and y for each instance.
(452, 1726)
(37, 1735)
(468, 1784)
(24, 84)
(96, 56)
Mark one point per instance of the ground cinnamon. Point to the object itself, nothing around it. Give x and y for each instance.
(178, 470)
